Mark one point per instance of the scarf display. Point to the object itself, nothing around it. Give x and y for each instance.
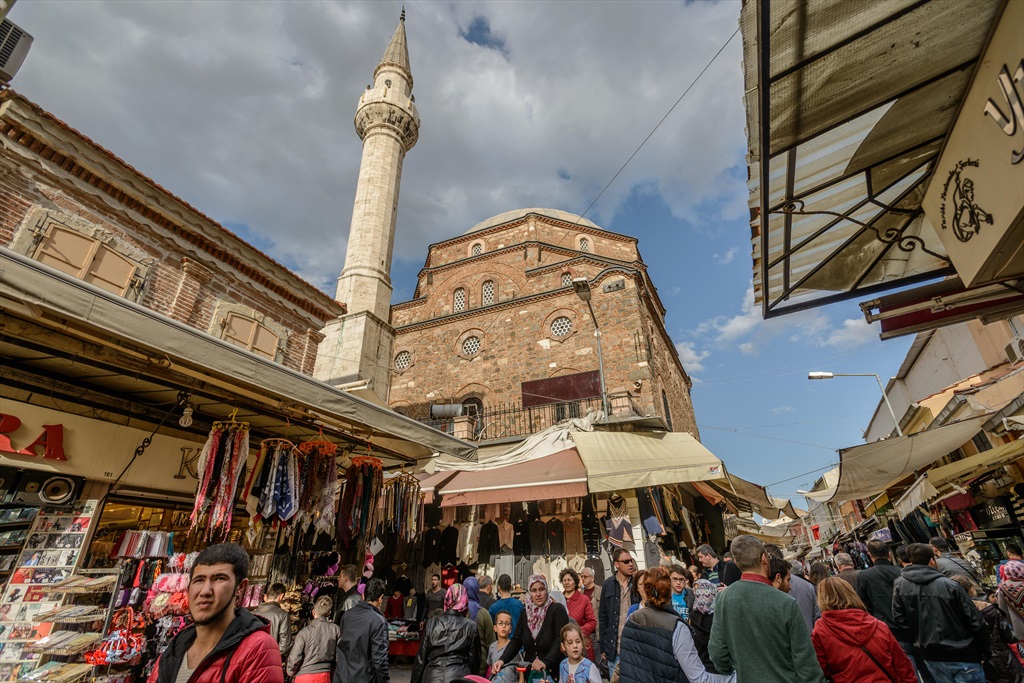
(357, 514)
(401, 507)
(278, 499)
(319, 477)
(704, 596)
(456, 599)
(221, 465)
(534, 614)
(1012, 586)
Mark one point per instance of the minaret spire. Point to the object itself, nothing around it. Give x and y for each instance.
(357, 346)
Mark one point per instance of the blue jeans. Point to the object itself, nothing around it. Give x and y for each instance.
(956, 672)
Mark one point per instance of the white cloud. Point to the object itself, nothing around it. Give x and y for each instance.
(692, 358)
(728, 257)
(779, 410)
(675, 291)
(245, 110)
(854, 332)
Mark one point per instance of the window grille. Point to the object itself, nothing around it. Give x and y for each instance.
(403, 360)
(460, 300)
(487, 293)
(560, 326)
(478, 249)
(584, 244)
(566, 279)
(471, 346)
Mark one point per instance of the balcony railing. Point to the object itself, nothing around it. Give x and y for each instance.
(512, 419)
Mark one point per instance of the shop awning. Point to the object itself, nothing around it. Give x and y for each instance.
(865, 470)
(178, 357)
(848, 105)
(429, 484)
(977, 465)
(561, 475)
(626, 460)
(756, 496)
(921, 491)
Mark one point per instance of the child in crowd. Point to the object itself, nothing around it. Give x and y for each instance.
(575, 667)
(502, 629)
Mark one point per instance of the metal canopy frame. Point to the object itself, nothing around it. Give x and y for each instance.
(848, 248)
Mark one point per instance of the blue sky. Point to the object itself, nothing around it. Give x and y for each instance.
(245, 111)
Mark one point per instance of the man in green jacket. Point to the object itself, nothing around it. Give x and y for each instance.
(759, 631)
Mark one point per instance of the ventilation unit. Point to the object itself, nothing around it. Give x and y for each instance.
(14, 45)
(1015, 350)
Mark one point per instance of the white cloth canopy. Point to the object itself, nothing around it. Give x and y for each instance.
(625, 460)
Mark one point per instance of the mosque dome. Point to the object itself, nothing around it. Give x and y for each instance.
(516, 214)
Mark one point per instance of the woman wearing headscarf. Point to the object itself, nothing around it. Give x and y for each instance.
(538, 631)
(1011, 595)
(449, 645)
(482, 618)
(701, 617)
(656, 644)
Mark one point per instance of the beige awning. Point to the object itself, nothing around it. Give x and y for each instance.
(626, 460)
(734, 487)
(977, 465)
(865, 470)
(555, 476)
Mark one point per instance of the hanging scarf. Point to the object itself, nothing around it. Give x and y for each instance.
(472, 587)
(534, 614)
(1012, 586)
(704, 596)
(222, 465)
(358, 511)
(456, 600)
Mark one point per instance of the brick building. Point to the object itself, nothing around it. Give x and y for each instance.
(69, 203)
(496, 327)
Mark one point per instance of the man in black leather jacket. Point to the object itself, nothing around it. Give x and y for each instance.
(937, 616)
(363, 646)
(280, 620)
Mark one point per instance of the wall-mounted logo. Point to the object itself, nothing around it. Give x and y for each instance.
(960, 212)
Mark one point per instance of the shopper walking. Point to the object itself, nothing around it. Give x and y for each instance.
(702, 617)
(316, 647)
(280, 620)
(939, 619)
(819, 572)
(479, 615)
(846, 569)
(224, 644)
(682, 594)
(657, 645)
(1001, 664)
(715, 570)
(362, 653)
(348, 584)
(1010, 595)
(593, 593)
(805, 594)
(853, 646)
(617, 596)
(759, 631)
(579, 608)
(486, 591)
(874, 588)
(951, 565)
(538, 633)
(505, 601)
(450, 645)
(434, 597)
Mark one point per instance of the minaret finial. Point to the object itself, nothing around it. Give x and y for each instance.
(402, 18)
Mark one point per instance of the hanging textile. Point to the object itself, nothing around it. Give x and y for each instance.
(357, 514)
(319, 475)
(221, 466)
(279, 480)
(401, 505)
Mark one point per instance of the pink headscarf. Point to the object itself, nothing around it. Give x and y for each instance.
(1012, 587)
(456, 600)
(534, 614)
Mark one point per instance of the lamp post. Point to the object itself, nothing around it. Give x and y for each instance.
(581, 286)
(830, 375)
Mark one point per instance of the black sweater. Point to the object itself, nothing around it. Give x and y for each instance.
(546, 646)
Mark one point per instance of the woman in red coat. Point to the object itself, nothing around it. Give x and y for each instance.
(579, 607)
(853, 646)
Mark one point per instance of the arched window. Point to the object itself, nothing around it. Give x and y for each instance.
(584, 244)
(566, 279)
(471, 346)
(487, 293)
(403, 360)
(459, 304)
(477, 249)
(561, 326)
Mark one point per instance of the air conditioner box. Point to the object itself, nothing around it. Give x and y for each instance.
(14, 46)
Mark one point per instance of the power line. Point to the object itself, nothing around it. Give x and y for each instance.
(770, 438)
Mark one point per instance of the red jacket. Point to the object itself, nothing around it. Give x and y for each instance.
(246, 653)
(581, 610)
(838, 638)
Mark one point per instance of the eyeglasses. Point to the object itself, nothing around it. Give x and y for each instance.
(629, 561)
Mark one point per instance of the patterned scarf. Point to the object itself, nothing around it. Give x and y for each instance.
(704, 596)
(456, 600)
(1012, 586)
(534, 614)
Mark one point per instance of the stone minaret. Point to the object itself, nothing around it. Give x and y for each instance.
(358, 345)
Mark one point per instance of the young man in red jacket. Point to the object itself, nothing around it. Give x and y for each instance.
(225, 645)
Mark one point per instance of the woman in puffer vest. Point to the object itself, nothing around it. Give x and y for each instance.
(657, 645)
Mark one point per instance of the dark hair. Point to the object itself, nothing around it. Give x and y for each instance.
(819, 572)
(1013, 549)
(682, 571)
(901, 554)
(773, 550)
(225, 553)
(878, 550)
(778, 567)
(349, 571)
(485, 581)
(567, 629)
(965, 583)
(506, 613)
(276, 590)
(617, 553)
(939, 544)
(505, 583)
(436, 576)
(920, 553)
(569, 571)
(726, 555)
(706, 550)
(374, 590)
(658, 587)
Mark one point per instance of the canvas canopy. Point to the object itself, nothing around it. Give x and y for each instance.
(625, 460)
(560, 475)
(977, 465)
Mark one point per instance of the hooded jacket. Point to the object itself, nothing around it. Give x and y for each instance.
(937, 616)
(362, 653)
(839, 637)
(246, 653)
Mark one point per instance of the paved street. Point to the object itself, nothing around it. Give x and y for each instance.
(401, 674)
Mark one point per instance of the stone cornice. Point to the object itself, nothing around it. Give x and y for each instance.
(553, 248)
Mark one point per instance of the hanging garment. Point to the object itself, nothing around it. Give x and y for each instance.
(489, 546)
(221, 466)
(574, 544)
(556, 537)
(450, 545)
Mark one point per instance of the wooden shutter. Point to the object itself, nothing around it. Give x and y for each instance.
(239, 330)
(66, 250)
(264, 343)
(110, 271)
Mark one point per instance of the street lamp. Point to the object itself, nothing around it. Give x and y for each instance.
(830, 375)
(581, 286)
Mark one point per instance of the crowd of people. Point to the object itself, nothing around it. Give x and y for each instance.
(750, 617)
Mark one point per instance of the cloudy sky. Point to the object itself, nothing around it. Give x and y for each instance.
(245, 109)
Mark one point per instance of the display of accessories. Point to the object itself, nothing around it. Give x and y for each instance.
(57, 672)
(357, 514)
(221, 463)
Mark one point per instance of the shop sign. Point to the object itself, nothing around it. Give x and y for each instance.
(884, 534)
(975, 200)
(994, 513)
(50, 442)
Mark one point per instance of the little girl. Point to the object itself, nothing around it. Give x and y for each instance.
(575, 667)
